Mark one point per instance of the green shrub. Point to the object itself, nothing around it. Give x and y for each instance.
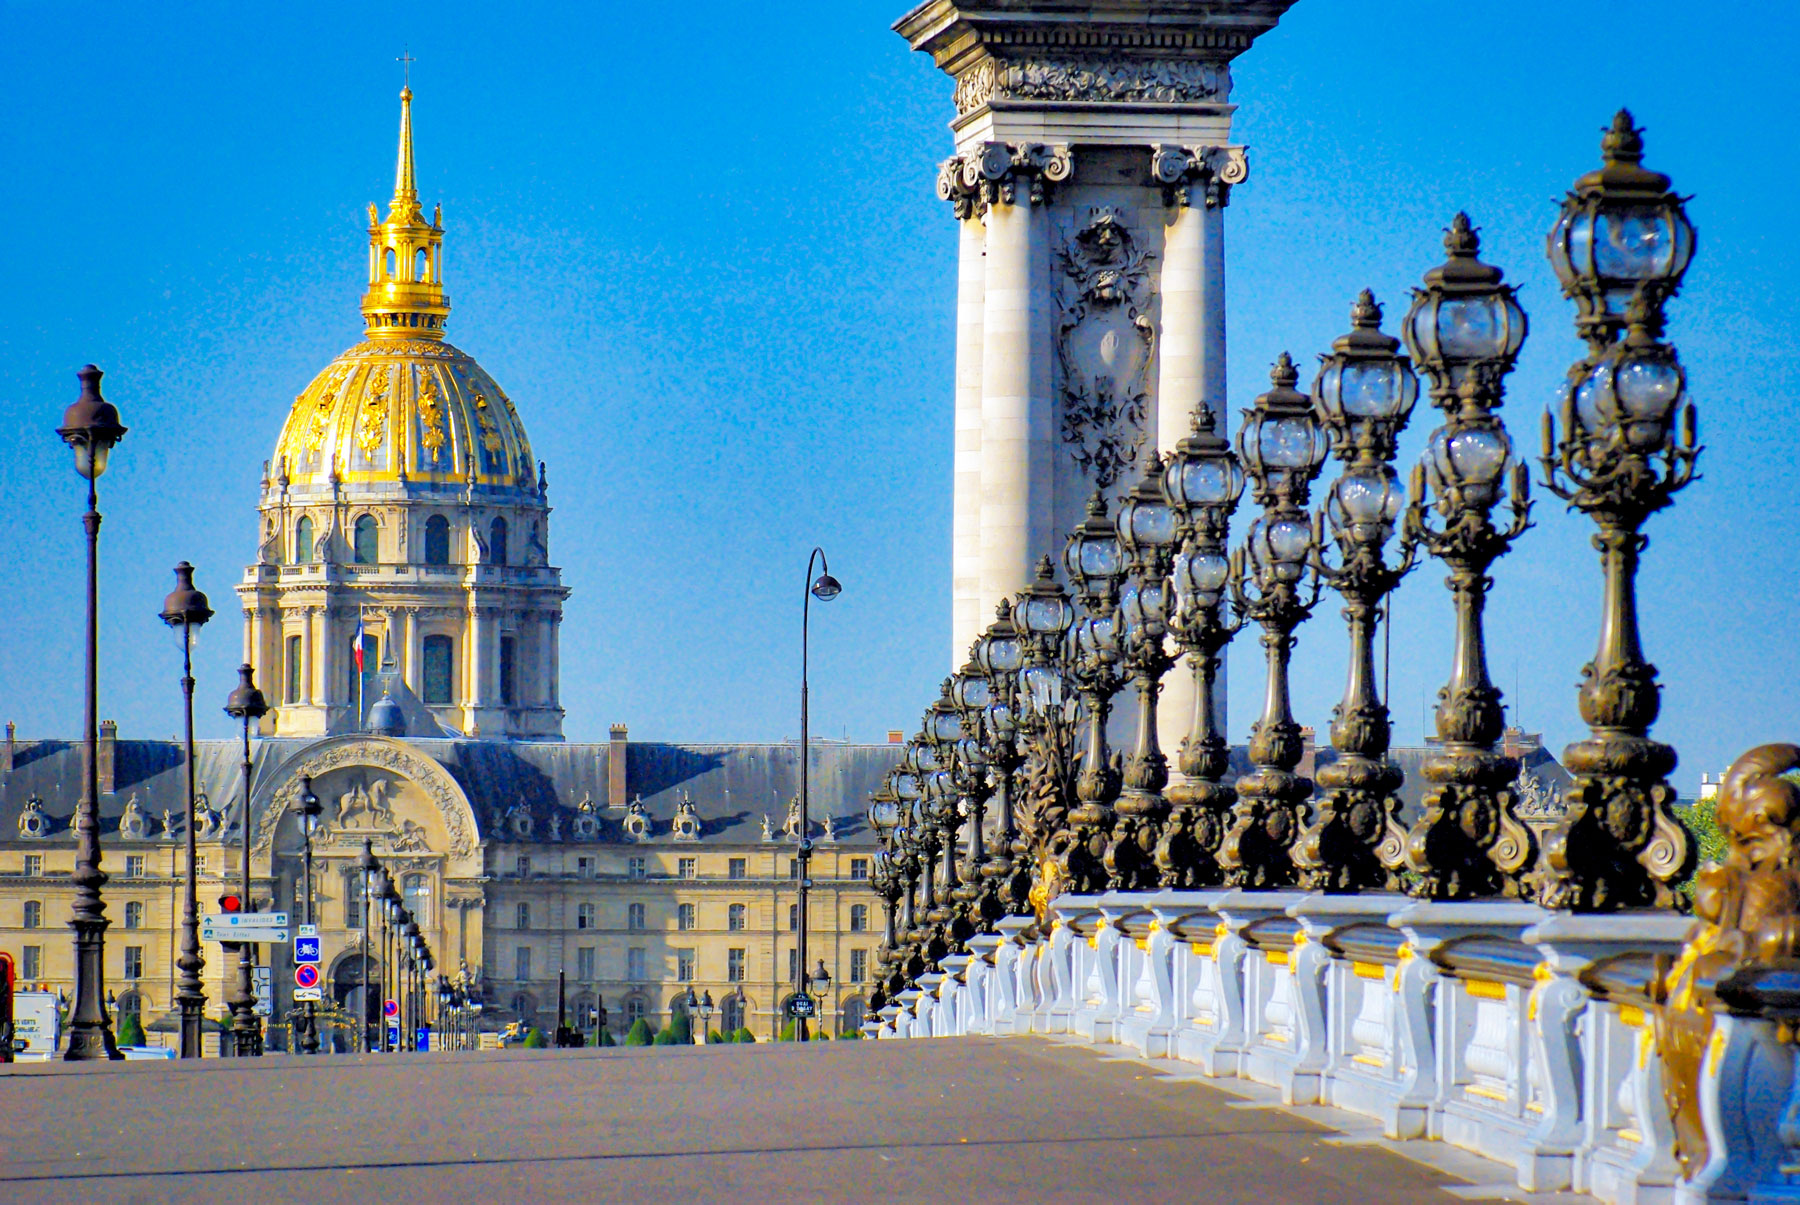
(638, 1034)
(131, 1030)
(851, 1035)
(605, 1038)
(534, 1038)
(716, 1037)
(786, 1032)
(683, 1028)
(743, 1035)
(664, 1038)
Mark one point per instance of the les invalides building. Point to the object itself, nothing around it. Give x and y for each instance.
(404, 503)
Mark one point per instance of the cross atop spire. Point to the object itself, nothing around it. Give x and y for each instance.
(406, 61)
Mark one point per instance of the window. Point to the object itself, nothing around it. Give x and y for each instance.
(437, 540)
(523, 916)
(130, 1002)
(738, 868)
(859, 965)
(388, 264)
(34, 914)
(584, 867)
(134, 915)
(634, 1011)
(497, 542)
(32, 963)
(634, 964)
(853, 1014)
(737, 918)
(421, 265)
(859, 868)
(731, 1013)
(523, 866)
(684, 966)
(291, 683)
(634, 917)
(793, 964)
(734, 965)
(793, 918)
(859, 918)
(134, 866)
(415, 890)
(584, 964)
(687, 868)
(685, 917)
(506, 670)
(635, 867)
(352, 904)
(437, 671)
(793, 868)
(199, 864)
(303, 541)
(522, 962)
(134, 962)
(34, 865)
(365, 549)
(584, 917)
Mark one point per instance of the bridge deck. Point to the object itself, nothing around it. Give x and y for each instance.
(986, 1119)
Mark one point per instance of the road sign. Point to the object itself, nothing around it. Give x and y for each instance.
(309, 993)
(306, 949)
(393, 1037)
(800, 1006)
(307, 931)
(255, 928)
(307, 975)
(390, 1008)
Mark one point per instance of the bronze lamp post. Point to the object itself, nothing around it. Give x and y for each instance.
(247, 706)
(186, 609)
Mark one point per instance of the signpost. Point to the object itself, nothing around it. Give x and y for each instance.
(256, 928)
(800, 1006)
(264, 979)
(307, 950)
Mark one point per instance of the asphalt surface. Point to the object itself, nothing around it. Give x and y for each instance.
(970, 1119)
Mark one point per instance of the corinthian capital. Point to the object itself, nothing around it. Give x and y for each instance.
(994, 173)
(1198, 173)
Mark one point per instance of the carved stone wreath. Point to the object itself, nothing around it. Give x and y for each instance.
(1104, 344)
(427, 774)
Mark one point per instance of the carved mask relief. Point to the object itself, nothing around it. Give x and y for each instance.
(1104, 344)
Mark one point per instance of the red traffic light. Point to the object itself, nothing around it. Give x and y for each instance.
(230, 903)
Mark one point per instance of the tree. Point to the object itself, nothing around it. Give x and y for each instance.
(638, 1034)
(534, 1038)
(131, 1030)
(743, 1035)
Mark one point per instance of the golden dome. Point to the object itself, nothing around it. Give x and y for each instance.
(404, 405)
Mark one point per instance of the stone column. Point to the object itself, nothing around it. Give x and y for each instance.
(475, 659)
(966, 618)
(1196, 183)
(410, 662)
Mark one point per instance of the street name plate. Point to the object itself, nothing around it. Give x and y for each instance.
(800, 1006)
(254, 937)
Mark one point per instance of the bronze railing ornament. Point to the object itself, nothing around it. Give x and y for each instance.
(1364, 394)
(1281, 446)
(1464, 330)
(1626, 443)
(1147, 532)
(1203, 483)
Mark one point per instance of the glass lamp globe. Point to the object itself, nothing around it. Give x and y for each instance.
(1278, 547)
(1281, 442)
(1632, 395)
(1367, 504)
(1464, 316)
(1093, 557)
(1199, 579)
(1473, 460)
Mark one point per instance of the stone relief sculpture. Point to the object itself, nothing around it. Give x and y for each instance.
(768, 828)
(134, 824)
(687, 820)
(410, 838)
(368, 804)
(374, 754)
(637, 821)
(207, 822)
(1090, 78)
(32, 821)
(555, 826)
(1535, 800)
(1104, 344)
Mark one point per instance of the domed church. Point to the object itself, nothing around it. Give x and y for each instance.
(403, 506)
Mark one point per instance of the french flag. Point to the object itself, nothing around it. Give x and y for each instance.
(357, 648)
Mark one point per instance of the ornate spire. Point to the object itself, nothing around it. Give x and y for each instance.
(406, 191)
(406, 298)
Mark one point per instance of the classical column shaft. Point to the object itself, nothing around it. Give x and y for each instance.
(410, 667)
(967, 615)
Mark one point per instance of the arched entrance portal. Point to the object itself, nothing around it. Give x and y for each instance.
(347, 991)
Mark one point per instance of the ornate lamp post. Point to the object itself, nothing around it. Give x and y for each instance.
(943, 798)
(1627, 445)
(824, 588)
(186, 609)
(1203, 483)
(90, 427)
(970, 694)
(367, 864)
(1147, 533)
(1464, 330)
(246, 705)
(1096, 567)
(1052, 855)
(1001, 654)
(1364, 393)
(379, 902)
(415, 966)
(309, 819)
(1282, 446)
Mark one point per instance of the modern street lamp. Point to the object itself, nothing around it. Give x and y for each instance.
(186, 609)
(1148, 535)
(1464, 330)
(1282, 446)
(247, 706)
(1096, 567)
(1627, 445)
(309, 819)
(1204, 482)
(367, 864)
(824, 587)
(1365, 392)
(91, 428)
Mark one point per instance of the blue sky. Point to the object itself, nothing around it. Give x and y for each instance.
(706, 260)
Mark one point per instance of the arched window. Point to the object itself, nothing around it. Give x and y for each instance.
(525, 1008)
(497, 542)
(303, 541)
(421, 262)
(34, 914)
(634, 917)
(295, 669)
(131, 1002)
(437, 671)
(731, 1014)
(389, 264)
(367, 546)
(859, 918)
(437, 540)
(852, 1014)
(415, 889)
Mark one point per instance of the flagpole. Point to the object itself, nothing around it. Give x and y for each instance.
(362, 659)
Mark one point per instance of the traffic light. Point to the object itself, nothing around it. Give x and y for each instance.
(231, 903)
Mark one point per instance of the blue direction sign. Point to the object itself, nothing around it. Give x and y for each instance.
(394, 1037)
(306, 949)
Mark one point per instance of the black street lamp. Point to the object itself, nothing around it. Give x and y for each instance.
(90, 427)
(1282, 446)
(1628, 443)
(1096, 567)
(821, 984)
(247, 706)
(1046, 845)
(824, 588)
(706, 1012)
(1464, 331)
(970, 694)
(1001, 654)
(1364, 393)
(186, 609)
(1148, 534)
(309, 819)
(691, 1005)
(1203, 482)
(367, 864)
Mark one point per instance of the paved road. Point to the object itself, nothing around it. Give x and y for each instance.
(971, 1119)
